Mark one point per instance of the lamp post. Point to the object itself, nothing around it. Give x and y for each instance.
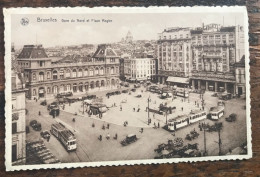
(83, 106)
(148, 111)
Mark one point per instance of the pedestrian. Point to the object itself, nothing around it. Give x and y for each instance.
(39, 113)
(120, 108)
(154, 124)
(142, 130)
(48, 139)
(153, 115)
(108, 126)
(100, 137)
(182, 108)
(138, 110)
(103, 127)
(195, 102)
(36, 100)
(134, 109)
(116, 136)
(115, 104)
(158, 125)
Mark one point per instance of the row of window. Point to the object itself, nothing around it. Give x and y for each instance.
(80, 73)
(181, 36)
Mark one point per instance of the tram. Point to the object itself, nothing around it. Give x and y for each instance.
(185, 120)
(182, 92)
(65, 136)
(216, 113)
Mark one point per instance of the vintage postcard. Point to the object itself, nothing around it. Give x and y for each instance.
(89, 87)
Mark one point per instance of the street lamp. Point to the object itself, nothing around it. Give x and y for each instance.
(148, 100)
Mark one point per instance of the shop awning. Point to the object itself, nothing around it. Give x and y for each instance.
(178, 80)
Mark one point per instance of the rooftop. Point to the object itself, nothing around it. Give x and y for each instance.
(33, 51)
(103, 51)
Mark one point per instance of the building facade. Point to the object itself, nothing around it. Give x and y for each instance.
(215, 50)
(174, 54)
(140, 68)
(44, 78)
(18, 121)
(203, 58)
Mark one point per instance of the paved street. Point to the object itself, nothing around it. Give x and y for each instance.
(91, 149)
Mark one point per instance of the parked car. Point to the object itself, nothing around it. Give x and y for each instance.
(117, 92)
(133, 89)
(231, 118)
(44, 103)
(215, 94)
(129, 139)
(90, 97)
(36, 125)
(137, 86)
(126, 84)
(45, 134)
(124, 91)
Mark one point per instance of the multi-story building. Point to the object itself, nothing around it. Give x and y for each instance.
(215, 50)
(18, 116)
(204, 57)
(44, 78)
(174, 56)
(140, 67)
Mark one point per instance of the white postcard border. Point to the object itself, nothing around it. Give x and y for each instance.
(84, 10)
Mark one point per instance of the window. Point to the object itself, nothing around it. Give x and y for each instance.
(48, 75)
(34, 76)
(14, 127)
(112, 60)
(91, 72)
(96, 71)
(101, 71)
(62, 74)
(80, 73)
(187, 35)
(41, 76)
(181, 36)
(67, 73)
(48, 90)
(86, 72)
(55, 75)
(42, 63)
(34, 92)
(74, 73)
(112, 70)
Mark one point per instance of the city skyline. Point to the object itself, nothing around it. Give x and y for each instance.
(96, 32)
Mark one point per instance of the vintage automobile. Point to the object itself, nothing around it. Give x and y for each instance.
(45, 134)
(193, 134)
(231, 118)
(52, 105)
(44, 103)
(126, 84)
(129, 139)
(133, 89)
(117, 92)
(36, 125)
(137, 86)
(215, 94)
(124, 91)
(90, 97)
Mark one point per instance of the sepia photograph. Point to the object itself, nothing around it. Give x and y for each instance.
(122, 86)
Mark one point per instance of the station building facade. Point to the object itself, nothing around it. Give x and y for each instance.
(44, 78)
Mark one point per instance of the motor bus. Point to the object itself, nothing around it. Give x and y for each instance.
(216, 112)
(185, 120)
(65, 136)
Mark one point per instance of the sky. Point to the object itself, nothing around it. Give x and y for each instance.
(142, 26)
